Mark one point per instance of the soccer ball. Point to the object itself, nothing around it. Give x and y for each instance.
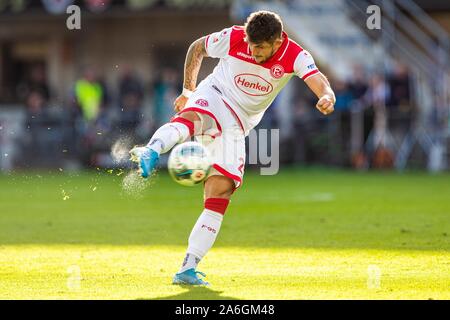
(189, 163)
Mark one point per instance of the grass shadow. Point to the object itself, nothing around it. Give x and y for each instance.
(195, 293)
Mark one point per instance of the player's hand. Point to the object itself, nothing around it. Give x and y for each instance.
(179, 103)
(325, 104)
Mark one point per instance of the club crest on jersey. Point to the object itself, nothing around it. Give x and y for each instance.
(202, 102)
(253, 84)
(277, 71)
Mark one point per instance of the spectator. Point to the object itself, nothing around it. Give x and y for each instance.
(307, 143)
(131, 94)
(399, 104)
(358, 85)
(339, 123)
(38, 122)
(36, 82)
(344, 96)
(399, 87)
(35, 104)
(378, 92)
(301, 149)
(381, 152)
(92, 123)
(166, 90)
(90, 95)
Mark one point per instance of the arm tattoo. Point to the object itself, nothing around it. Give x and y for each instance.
(194, 58)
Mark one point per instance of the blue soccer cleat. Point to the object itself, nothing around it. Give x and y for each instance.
(147, 159)
(190, 277)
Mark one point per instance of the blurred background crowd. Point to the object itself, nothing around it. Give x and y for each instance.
(66, 96)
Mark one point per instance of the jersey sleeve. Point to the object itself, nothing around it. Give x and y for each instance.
(217, 44)
(304, 65)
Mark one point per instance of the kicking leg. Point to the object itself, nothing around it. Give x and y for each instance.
(218, 191)
(177, 130)
(165, 138)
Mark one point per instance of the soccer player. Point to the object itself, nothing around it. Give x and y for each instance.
(256, 62)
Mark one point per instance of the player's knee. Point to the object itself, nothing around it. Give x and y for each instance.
(191, 120)
(219, 187)
(218, 191)
(190, 115)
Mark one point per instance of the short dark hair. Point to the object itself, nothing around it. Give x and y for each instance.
(263, 26)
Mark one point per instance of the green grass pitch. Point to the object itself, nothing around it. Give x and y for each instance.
(302, 234)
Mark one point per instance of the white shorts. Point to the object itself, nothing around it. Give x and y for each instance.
(222, 133)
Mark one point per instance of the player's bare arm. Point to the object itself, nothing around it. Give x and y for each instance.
(193, 62)
(320, 85)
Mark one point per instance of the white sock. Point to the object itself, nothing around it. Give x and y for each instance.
(190, 261)
(168, 136)
(202, 237)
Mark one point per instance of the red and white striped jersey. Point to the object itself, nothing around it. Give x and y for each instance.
(247, 86)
